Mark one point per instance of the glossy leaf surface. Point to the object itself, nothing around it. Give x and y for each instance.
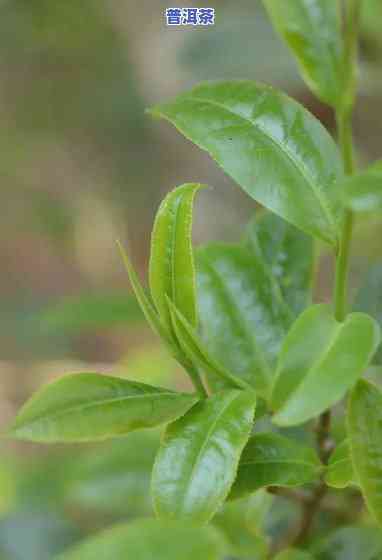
(198, 458)
(270, 459)
(369, 299)
(242, 313)
(365, 436)
(312, 30)
(362, 192)
(148, 539)
(171, 270)
(269, 144)
(350, 543)
(320, 360)
(89, 406)
(289, 254)
(340, 472)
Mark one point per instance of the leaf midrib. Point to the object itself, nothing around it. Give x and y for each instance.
(95, 404)
(283, 149)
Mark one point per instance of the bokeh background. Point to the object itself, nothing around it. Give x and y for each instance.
(82, 165)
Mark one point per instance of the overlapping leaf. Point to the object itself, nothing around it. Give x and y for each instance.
(198, 458)
(362, 192)
(89, 406)
(365, 437)
(320, 360)
(350, 543)
(270, 459)
(312, 30)
(289, 254)
(242, 313)
(270, 145)
(148, 539)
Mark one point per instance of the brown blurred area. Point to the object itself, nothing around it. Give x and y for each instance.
(82, 165)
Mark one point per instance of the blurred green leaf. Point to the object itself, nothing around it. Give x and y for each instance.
(365, 436)
(312, 30)
(172, 271)
(294, 554)
(340, 472)
(362, 192)
(369, 299)
(270, 459)
(288, 252)
(199, 454)
(350, 543)
(319, 361)
(148, 539)
(115, 477)
(90, 406)
(85, 312)
(242, 313)
(242, 125)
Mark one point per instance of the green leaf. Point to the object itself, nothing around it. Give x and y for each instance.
(235, 521)
(147, 539)
(198, 458)
(242, 313)
(171, 270)
(340, 472)
(90, 312)
(114, 478)
(148, 310)
(319, 361)
(89, 406)
(350, 543)
(270, 459)
(194, 349)
(270, 145)
(289, 254)
(362, 192)
(365, 436)
(312, 30)
(369, 299)
(293, 554)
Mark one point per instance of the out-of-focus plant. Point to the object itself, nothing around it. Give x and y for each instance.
(270, 369)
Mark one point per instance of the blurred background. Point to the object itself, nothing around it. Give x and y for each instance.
(82, 165)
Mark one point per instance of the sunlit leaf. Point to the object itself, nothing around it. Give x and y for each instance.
(320, 360)
(198, 458)
(89, 406)
(312, 30)
(270, 145)
(172, 271)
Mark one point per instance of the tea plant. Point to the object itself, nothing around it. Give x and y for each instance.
(270, 369)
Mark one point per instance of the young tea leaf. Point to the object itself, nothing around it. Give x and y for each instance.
(270, 145)
(147, 539)
(319, 361)
(365, 437)
(242, 313)
(340, 472)
(198, 458)
(312, 30)
(289, 254)
(362, 192)
(89, 407)
(270, 459)
(171, 270)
